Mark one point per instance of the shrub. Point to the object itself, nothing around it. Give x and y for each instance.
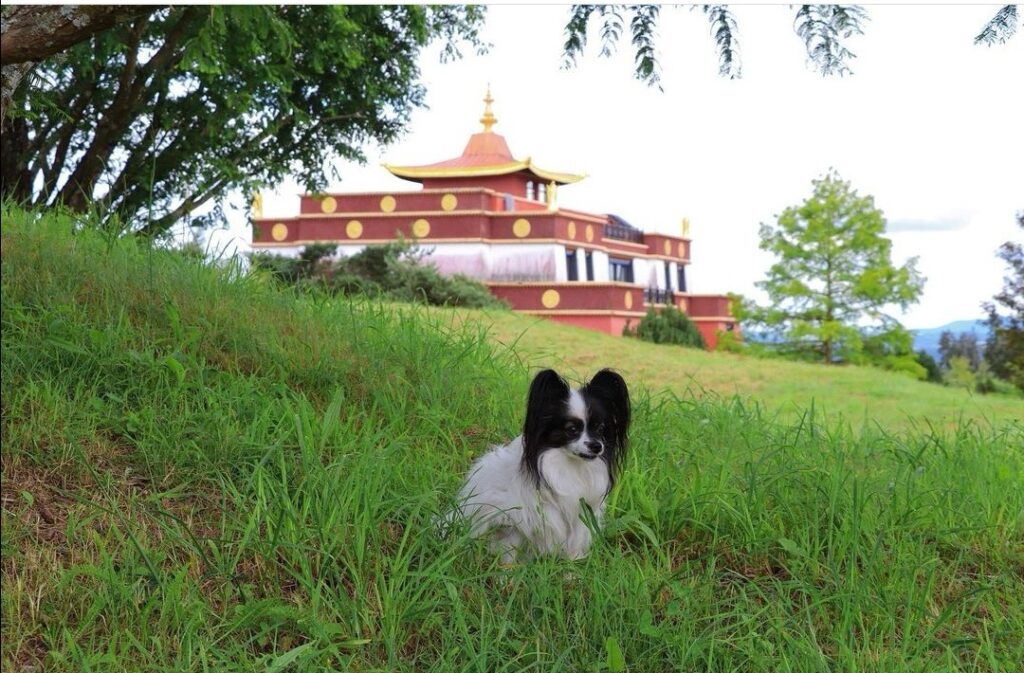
(395, 271)
(669, 326)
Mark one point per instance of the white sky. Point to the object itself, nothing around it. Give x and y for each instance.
(928, 124)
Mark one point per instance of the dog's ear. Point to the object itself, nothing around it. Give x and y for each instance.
(609, 387)
(547, 391)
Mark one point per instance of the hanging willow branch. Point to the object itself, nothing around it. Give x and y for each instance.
(823, 29)
(725, 33)
(1000, 27)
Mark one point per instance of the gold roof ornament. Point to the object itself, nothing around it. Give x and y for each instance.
(488, 120)
(551, 195)
(686, 227)
(256, 211)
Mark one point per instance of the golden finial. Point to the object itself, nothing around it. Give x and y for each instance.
(488, 120)
(552, 196)
(686, 227)
(257, 206)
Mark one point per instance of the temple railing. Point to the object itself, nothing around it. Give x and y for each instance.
(621, 233)
(655, 295)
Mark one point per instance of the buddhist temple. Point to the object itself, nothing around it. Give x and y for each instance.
(497, 219)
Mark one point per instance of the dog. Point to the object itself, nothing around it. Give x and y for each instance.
(527, 495)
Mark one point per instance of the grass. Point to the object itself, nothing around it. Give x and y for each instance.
(860, 396)
(202, 472)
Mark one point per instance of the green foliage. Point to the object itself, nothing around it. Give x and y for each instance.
(1004, 351)
(984, 382)
(834, 278)
(668, 325)
(958, 373)
(204, 472)
(162, 117)
(933, 370)
(395, 271)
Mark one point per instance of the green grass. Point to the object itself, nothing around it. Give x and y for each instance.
(861, 396)
(202, 472)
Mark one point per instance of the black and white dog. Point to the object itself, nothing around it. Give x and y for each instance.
(527, 493)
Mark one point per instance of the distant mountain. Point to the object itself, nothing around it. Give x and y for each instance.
(928, 339)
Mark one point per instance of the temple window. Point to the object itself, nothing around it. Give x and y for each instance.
(682, 278)
(572, 270)
(529, 190)
(668, 276)
(620, 270)
(542, 192)
(589, 259)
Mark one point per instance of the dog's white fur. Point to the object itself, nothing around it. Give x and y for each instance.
(499, 498)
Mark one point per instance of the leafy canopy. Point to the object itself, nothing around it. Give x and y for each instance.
(834, 279)
(166, 113)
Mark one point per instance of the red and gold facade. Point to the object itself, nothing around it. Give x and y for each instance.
(496, 219)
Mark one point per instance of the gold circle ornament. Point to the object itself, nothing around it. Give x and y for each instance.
(668, 248)
(421, 228)
(682, 304)
(629, 300)
(449, 202)
(682, 249)
(572, 230)
(589, 233)
(279, 231)
(521, 228)
(354, 229)
(329, 204)
(388, 203)
(550, 298)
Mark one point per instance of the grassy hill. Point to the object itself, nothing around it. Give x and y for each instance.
(202, 472)
(860, 396)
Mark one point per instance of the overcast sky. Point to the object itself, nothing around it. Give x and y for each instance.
(928, 124)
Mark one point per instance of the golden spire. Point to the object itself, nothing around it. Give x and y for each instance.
(488, 120)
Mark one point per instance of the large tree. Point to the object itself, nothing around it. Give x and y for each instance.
(168, 112)
(834, 280)
(825, 31)
(1005, 348)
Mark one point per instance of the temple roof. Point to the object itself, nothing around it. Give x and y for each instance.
(486, 154)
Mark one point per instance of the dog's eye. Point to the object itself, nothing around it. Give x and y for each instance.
(573, 427)
(599, 429)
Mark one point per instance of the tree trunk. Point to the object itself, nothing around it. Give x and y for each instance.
(30, 33)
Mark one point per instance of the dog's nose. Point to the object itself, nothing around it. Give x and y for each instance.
(594, 446)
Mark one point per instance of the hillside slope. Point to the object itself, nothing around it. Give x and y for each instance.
(203, 472)
(860, 395)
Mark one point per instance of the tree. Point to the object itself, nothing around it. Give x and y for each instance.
(963, 345)
(166, 113)
(931, 367)
(824, 30)
(1004, 350)
(32, 32)
(959, 374)
(835, 278)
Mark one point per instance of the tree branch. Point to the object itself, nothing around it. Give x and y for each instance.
(34, 32)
